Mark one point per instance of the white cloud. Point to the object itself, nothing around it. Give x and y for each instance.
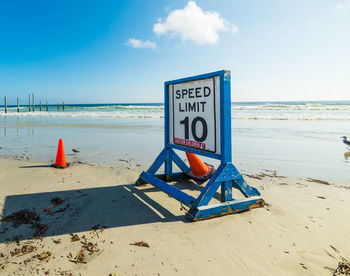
(193, 24)
(138, 43)
(345, 5)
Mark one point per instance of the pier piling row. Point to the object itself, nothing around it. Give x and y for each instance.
(31, 104)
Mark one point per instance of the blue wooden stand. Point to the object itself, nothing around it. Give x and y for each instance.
(226, 175)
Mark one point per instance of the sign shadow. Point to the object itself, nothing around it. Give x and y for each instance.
(80, 211)
(185, 184)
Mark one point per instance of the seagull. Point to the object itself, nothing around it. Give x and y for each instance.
(345, 141)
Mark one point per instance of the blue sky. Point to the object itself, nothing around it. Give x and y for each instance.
(123, 51)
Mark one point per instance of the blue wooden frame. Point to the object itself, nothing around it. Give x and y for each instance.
(227, 176)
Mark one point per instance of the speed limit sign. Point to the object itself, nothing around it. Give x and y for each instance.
(194, 111)
(197, 120)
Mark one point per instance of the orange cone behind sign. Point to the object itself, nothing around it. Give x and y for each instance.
(60, 157)
(199, 170)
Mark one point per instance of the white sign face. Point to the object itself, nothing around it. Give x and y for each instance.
(195, 115)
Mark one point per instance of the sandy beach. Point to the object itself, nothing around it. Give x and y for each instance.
(123, 229)
(202, 137)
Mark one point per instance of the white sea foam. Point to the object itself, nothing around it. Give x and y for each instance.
(115, 107)
(299, 117)
(247, 111)
(235, 115)
(286, 107)
(114, 114)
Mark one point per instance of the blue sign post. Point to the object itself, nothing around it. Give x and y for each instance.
(198, 120)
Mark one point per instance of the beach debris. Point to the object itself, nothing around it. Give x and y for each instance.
(336, 250)
(317, 181)
(253, 176)
(27, 217)
(2, 266)
(271, 173)
(25, 249)
(140, 244)
(301, 184)
(24, 216)
(321, 197)
(79, 258)
(75, 150)
(48, 209)
(88, 246)
(57, 201)
(95, 227)
(66, 273)
(267, 206)
(344, 187)
(62, 209)
(74, 237)
(91, 247)
(57, 241)
(124, 160)
(40, 229)
(44, 256)
(343, 268)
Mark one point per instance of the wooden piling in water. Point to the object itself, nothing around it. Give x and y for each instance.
(40, 105)
(58, 107)
(63, 106)
(33, 101)
(5, 105)
(17, 105)
(47, 107)
(29, 103)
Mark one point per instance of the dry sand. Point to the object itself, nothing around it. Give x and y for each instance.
(304, 229)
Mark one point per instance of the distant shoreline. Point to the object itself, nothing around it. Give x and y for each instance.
(329, 102)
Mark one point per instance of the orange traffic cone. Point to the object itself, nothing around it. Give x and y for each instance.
(60, 158)
(199, 170)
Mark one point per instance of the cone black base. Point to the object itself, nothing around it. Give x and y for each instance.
(59, 166)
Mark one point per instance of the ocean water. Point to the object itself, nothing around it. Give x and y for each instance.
(326, 110)
(298, 139)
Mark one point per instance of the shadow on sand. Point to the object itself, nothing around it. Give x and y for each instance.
(82, 209)
(35, 166)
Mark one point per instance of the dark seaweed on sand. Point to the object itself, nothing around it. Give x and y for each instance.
(140, 244)
(27, 216)
(22, 217)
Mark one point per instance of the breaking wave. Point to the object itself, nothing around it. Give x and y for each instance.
(243, 111)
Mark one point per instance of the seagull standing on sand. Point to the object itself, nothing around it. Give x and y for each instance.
(345, 141)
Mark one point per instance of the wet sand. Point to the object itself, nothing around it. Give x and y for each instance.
(93, 221)
(294, 148)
